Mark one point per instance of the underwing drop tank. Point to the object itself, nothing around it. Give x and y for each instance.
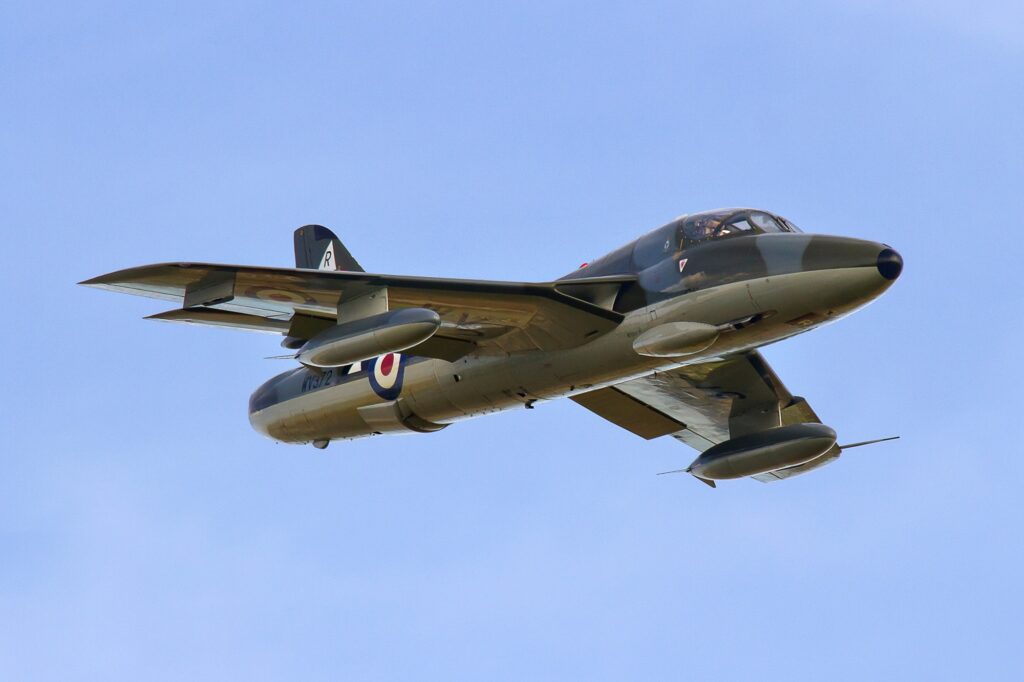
(358, 340)
(757, 453)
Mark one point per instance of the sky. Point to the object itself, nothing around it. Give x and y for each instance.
(147, 532)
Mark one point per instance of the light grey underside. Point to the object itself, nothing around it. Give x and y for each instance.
(706, 404)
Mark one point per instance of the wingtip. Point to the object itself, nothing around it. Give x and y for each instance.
(118, 276)
(100, 280)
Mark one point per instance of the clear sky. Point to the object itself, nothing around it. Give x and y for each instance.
(147, 533)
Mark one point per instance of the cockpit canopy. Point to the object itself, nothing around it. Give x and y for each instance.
(719, 224)
(698, 228)
(682, 233)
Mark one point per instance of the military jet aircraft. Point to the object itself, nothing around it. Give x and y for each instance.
(659, 337)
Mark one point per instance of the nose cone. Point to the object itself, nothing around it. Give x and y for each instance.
(813, 279)
(827, 252)
(890, 263)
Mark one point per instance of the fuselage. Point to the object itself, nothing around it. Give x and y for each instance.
(758, 286)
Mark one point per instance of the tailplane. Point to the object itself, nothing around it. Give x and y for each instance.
(317, 248)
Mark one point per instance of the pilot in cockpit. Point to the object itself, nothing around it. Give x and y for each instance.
(704, 227)
(714, 225)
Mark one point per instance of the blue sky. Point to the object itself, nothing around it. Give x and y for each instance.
(149, 533)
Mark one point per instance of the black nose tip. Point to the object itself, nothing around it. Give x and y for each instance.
(890, 264)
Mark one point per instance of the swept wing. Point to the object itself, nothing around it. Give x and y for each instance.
(299, 302)
(705, 404)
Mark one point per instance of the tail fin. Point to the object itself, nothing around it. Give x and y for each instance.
(317, 248)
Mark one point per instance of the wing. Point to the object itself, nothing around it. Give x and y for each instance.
(298, 302)
(706, 404)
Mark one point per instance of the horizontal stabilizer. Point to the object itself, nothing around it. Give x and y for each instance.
(223, 318)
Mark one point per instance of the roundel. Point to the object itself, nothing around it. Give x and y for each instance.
(386, 375)
(265, 293)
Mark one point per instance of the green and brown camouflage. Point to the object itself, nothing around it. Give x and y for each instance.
(734, 280)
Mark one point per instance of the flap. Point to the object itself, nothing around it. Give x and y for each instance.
(628, 412)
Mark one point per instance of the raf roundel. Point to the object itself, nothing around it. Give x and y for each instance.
(386, 375)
